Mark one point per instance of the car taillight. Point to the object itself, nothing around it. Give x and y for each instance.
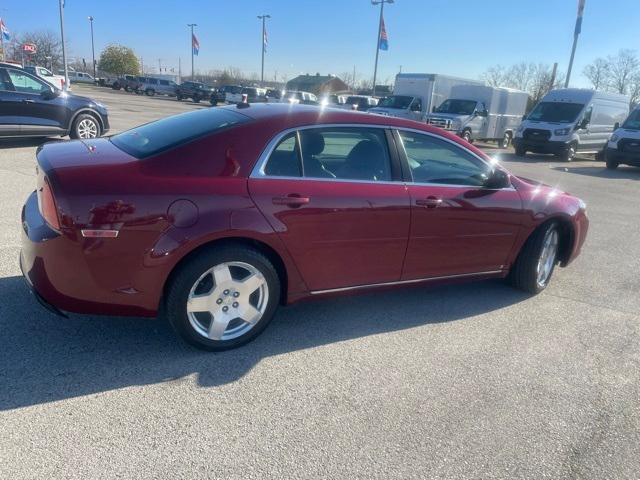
(47, 205)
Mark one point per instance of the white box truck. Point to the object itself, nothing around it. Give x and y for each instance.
(571, 120)
(478, 112)
(416, 94)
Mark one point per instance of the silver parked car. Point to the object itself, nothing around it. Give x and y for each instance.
(160, 86)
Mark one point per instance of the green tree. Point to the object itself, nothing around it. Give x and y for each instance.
(118, 59)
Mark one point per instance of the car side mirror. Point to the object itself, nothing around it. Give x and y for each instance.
(497, 179)
(616, 125)
(481, 113)
(583, 124)
(50, 94)
(524, 117)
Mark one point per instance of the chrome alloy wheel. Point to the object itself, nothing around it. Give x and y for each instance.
(87, 128)
(548, 256)
(227, 301)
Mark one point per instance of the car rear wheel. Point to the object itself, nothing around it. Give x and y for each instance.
(150, 92)
(196, 99)
(223, 298)
(520, 152)
(535, 264)
(179, 97)
(85, 127)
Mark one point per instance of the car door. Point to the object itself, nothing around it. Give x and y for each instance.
(28, 107)
(335, 197)
(458, 226)
(9, 103)
(583, 130)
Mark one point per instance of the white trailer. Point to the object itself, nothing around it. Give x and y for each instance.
(416, 94)
(481, 113)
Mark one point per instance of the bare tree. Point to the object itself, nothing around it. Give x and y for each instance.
(48, 48)
(495, 76)
(598, 73)
(624, 67)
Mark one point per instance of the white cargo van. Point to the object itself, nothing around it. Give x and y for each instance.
(624, 145)
(477, 112)
(416, 94)
(569, 121)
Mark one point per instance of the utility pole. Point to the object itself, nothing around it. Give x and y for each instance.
(159, 65)
(64, 48)
(179, 69)
(192, 69)
(93, 50)
(576, 33)
(264, 44)
(375, 69)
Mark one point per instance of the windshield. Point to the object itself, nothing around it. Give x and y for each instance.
(396, 101)
(556, 112)
(457, 107)
(633, 121)
(161, 135)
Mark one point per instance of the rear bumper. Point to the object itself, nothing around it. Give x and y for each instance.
(623, 157)
(547, 146)
(55, 267)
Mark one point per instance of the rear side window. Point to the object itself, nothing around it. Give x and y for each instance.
(170, 132)
(285, 159)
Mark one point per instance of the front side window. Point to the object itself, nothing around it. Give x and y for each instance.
(24, 83)
(633, 121)
(433, 160)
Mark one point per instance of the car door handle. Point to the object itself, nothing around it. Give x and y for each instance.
(292, 200)
(429, 202)
(28, 101)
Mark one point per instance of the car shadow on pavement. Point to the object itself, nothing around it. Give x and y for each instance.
(622, 172)
(45, 358)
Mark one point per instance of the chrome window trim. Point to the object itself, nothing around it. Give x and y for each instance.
(258, 169)
(406, 282)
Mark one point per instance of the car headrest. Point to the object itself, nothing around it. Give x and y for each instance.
(312, 142)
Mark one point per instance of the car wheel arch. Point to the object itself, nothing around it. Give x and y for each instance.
(255, 244)
(87, 111)
(567, 237)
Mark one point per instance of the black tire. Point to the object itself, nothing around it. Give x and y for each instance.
(187, 276)
(150, 92)
(196, 99)
(116, 86)
(612, 164)
(524, 272)
(569, 154)
(466, 135)
(506, 140)
(127, 88)
(80, 124)
(520, 152)
(179, 97)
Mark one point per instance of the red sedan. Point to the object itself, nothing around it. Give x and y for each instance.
(215, 217)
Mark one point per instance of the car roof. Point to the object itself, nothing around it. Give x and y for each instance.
(298, 115)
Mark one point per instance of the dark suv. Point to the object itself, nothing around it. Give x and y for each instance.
(196, 91)
(31, 107)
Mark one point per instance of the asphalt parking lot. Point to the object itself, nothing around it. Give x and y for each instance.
(466, 381)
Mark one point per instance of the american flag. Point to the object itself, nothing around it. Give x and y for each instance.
(383, 44)
(195, 44)
(4, 31)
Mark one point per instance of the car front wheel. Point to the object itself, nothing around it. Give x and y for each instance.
(535, 264)
(223, 298)
(85, 127)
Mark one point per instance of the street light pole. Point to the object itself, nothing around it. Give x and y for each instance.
(64, 48)
(263, 18)
(375, 68)
(93, 51)
(192, 69)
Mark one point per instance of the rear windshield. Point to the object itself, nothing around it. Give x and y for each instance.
(156, 137)
(556, 112)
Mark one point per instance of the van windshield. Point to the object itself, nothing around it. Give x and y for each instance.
(556, 112)
(633, 121)
(170, 132)
(457, 107)
(396, 101)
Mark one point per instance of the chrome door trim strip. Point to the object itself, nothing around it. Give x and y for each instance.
(405, 282)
